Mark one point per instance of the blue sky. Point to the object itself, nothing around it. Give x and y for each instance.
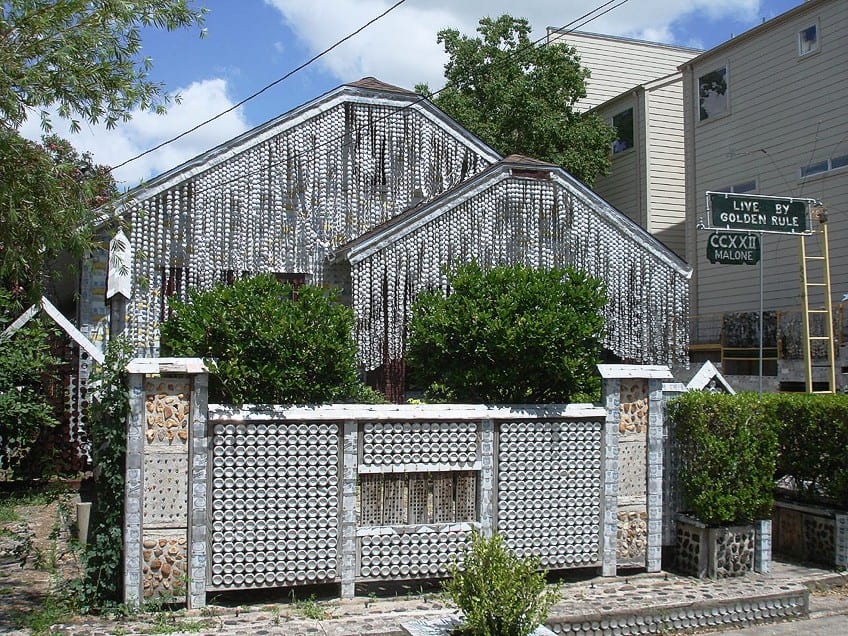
(251, 43)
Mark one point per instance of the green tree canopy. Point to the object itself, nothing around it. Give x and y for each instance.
(519, 98)
(268, 346)
(47, 192)
(83, 57)
(510, 334)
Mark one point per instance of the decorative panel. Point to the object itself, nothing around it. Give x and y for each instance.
(165, 490)
(410, 554)
(164, 565)
(167, 412)
(275, 504)
(549, 490)
(397, 444)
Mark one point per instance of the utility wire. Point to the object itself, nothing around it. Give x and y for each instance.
(264, 88)
(565, 30)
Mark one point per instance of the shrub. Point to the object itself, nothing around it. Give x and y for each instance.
(728, 450)
(498, 593)
(107, 418)
(814, 445)
(510, 334)
(268, 345)
(25, 359)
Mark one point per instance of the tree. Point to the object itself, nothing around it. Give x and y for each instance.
(520, 98)
(267, 345)
(510, 334)
(82, 56)
(47, 193)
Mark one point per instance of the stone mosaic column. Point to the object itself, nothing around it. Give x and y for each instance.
(166, 482)
(633, 473)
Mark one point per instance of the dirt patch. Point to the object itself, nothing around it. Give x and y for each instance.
(37, 553)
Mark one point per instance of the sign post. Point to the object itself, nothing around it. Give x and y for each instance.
(738, 219)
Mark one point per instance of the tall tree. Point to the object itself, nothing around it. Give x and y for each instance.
(47, 193)
(83, 57)
(520, 98)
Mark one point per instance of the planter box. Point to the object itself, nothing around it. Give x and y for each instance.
(722, 551)
(811, 533)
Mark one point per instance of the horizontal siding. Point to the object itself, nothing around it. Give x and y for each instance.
(785, 112)
(618, 65)
(666, 177)
(621, 188)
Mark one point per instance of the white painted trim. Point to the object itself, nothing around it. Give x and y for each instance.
(57, 316)
(646, 371)
(72, 331)
(411, 412)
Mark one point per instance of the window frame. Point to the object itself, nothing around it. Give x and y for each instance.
(800, 39)
(618, 138)
(702, 115)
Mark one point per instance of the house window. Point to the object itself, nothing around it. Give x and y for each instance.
(623, 124)
(740, 188)
(820, 167)
(808, 40)
(712, 92)
(417, 498)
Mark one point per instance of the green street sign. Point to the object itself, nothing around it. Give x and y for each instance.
(733, 248)
(759, 214)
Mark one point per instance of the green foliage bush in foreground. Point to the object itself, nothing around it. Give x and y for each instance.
(814, 444)
(498, 593)
(268, 344)
(734, 446)
(509, 334)
(728, 450)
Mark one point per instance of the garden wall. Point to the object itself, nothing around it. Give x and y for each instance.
(222, 498)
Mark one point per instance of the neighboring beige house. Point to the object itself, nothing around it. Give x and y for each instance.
(767, 113)
(646, 179)
(619, 64)
(636, 87)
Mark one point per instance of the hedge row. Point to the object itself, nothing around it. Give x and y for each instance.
(732, 447)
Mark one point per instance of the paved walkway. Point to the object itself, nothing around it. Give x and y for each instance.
(595, 602)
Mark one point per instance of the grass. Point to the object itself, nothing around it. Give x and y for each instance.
(40, 620)
(311, 608)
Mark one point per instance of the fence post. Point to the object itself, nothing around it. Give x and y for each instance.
(487, 477)
(609, 460)
(348, 521)
(653, 560)
(165, 521)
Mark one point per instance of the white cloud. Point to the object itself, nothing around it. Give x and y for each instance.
(401, 48)
(200, 101)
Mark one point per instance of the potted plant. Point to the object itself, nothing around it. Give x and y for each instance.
(727, 451)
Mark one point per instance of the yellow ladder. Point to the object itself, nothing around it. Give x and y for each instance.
(816, 302)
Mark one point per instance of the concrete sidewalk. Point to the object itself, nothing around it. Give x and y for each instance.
(642, 604)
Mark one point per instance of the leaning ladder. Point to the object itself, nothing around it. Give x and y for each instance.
(816, 302)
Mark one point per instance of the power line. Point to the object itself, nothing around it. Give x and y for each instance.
(564, 30)
(263, 89)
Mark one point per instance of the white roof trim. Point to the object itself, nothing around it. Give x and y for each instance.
(60, 320)
(223, 152)
(706, 374)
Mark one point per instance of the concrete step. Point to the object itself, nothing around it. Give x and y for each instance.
(668, 605)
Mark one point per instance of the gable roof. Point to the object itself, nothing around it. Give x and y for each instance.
(519, 211)
(513, 165)
(366, 90)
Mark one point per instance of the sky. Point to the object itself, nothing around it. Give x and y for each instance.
(252, 43)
